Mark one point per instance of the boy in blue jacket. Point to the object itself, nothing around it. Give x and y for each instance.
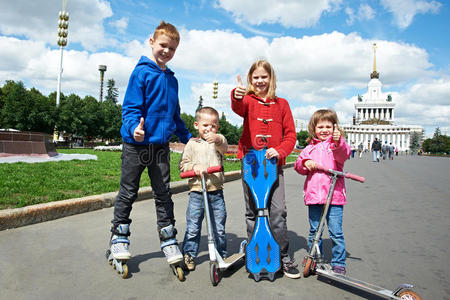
(150, 115)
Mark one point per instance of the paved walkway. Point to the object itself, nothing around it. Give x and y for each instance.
(396, 228)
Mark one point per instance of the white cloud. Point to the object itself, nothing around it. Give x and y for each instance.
(38, 20)
(309, 75)
(300, 14)
(120, 25)
(365, 12)
(405, 10)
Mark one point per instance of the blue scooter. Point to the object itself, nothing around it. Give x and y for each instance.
(262, 251)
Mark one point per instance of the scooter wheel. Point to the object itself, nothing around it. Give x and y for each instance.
(214, 274)
(408, 295)
(180, 273)
(307, 267)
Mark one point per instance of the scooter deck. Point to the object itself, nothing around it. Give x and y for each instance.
(377, 290)
(263, 252)
(233, 258)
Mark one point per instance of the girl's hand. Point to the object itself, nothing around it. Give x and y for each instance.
(239, 92)
(310, 165)
(336, 135)
(139, 132)
(271, 152)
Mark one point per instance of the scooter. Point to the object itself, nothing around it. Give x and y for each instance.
(312, 264)
(262, 251)
(217, 264)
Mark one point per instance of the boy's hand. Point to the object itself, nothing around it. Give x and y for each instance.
(212, 138)
(271, 153)
(310, 165)
(139, 132)
(239, 92)
(198, 169)
(336, 135)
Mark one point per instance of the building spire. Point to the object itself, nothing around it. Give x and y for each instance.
(374, 74)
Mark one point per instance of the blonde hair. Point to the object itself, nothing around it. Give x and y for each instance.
(167, 29)
(206, 110)
(322, 115)
(272, 84)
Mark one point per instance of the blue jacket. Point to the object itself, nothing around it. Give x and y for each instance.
(152, 94)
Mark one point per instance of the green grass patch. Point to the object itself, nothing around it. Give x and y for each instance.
(23, 184)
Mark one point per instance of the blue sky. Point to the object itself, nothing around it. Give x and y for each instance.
(321, 50)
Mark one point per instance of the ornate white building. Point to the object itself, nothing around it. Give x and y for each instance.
(374, 118)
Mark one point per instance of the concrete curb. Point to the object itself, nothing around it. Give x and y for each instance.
(17, 217)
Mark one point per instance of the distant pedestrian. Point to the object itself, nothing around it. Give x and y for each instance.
(360, 149)
(391, 151)
(376, 147)
(396, 151)
(353, 149)
(385, 149)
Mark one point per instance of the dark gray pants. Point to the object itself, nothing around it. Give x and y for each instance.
(277, 214)
(135, 158)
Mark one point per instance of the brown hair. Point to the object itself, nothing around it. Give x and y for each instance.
(206, 110)
(268, 68)
(167, 29)
(322, 115)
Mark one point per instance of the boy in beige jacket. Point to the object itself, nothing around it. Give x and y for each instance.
(198, 155)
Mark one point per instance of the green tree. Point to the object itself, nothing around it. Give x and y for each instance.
(415, 142)
(112, 120)
(301, 138)
(438, 143)
(91, 118)
(17, 106)
(112, 93)
(69, 120)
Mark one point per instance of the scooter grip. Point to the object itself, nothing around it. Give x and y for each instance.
(191, 173)
(355, 177)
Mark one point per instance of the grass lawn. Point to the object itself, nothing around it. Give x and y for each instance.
(23, 184)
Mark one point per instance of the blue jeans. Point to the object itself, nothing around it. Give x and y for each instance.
(375, 155)
(194, 217)
(334, 221)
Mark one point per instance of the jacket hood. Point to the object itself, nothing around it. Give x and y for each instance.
(144, 60)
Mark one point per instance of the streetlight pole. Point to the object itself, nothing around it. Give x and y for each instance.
(63, 31)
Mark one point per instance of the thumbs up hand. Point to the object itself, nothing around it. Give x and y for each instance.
(239, 92)
(336, 135)
(139, 132)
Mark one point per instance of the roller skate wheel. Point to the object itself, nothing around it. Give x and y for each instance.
(180, 273)
(125, 271)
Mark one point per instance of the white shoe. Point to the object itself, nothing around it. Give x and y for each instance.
(173, 254)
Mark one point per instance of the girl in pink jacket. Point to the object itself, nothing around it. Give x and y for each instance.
(328, 148)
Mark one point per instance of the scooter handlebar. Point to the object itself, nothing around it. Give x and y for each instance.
(345, 174)
(189, 174)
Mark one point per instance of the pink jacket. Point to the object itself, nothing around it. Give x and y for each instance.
(317, 183)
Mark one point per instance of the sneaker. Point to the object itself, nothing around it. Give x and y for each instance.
(173, 254)
(189, 262)
(290, 270)
(339, 270)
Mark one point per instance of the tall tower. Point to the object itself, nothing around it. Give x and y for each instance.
(102, 69)
(375, 74)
